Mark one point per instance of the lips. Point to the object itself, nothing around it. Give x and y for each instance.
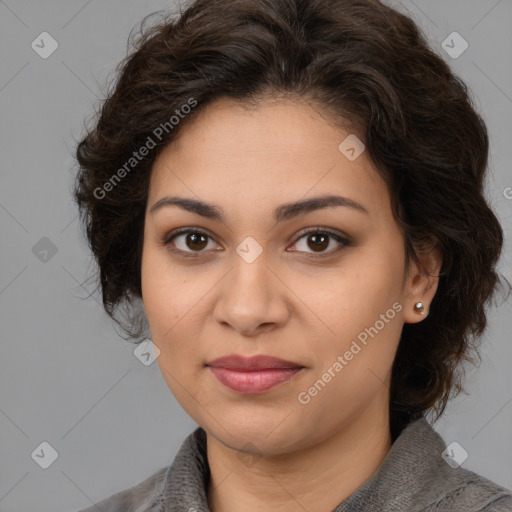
(255, 363)
(252, 375)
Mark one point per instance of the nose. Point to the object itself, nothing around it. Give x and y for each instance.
(252, 299)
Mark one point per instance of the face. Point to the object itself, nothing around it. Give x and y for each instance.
(321, 286)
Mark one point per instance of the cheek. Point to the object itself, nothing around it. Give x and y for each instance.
(355, 296)
(171, 305)
(164, 293)
(362, 311)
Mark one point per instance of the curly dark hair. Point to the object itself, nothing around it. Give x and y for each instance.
(359, 61)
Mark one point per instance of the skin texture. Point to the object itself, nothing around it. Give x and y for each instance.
(270, 451)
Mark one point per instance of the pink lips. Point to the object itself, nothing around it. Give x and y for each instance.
(252, 375)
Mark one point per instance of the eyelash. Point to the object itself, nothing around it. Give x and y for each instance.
(166, 242)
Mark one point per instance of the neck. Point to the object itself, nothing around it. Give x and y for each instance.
(316, 478)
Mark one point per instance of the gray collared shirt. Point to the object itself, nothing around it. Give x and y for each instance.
(413, 477)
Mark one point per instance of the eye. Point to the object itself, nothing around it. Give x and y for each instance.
(319, 239)
(193, 239)
(192, 242)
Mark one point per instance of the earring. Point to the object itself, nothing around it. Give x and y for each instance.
(419, 308)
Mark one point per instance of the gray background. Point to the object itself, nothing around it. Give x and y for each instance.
(66, 377)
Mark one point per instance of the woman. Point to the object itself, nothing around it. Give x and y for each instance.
(293, 189)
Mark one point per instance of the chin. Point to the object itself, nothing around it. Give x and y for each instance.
(263, 435)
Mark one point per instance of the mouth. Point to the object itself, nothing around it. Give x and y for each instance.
(253, 375)
(255, 363)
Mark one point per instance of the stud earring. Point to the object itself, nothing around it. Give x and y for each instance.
(419, 308)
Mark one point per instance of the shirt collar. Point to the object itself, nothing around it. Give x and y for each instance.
(412, 472)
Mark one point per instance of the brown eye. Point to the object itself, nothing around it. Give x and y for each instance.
(188, 241)
(193, 242)
(318, 240)
(196, 241)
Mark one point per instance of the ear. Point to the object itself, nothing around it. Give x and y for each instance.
(422, 281)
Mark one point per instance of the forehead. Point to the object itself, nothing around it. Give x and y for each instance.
(235, 155)
(282, 125)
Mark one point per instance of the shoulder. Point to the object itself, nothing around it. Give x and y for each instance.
(144, 496)
(503, 504)
(419, 475)
(174, 485)
(471, 492)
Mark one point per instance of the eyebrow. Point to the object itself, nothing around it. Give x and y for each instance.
(281, 213)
